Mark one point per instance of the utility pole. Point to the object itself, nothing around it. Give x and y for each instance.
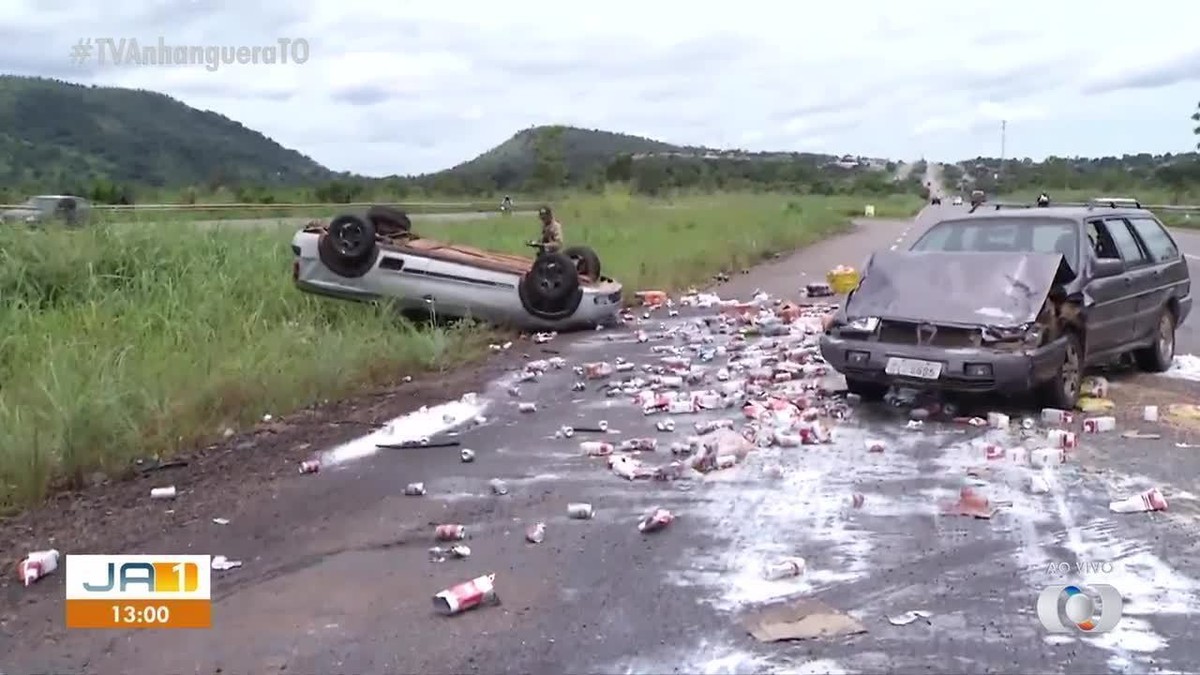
(1003, 141)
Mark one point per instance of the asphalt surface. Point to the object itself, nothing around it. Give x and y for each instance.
(337, 577)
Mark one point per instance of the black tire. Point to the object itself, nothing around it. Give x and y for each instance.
(550, 312)
(586, 261)
(1158, 357)
(867, 391)
(1062, 390)
(348, 246)
(388, 219)
(551, 280)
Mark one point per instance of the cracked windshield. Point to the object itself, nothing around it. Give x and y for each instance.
(355, 337)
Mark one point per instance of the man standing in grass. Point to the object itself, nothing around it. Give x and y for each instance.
(552, 235)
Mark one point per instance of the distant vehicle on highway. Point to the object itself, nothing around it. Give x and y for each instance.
(977, 198)
(378, 257)
(1014, 300)
(66, 209)
(957, 201)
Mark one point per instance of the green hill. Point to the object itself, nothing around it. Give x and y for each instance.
(60, 136)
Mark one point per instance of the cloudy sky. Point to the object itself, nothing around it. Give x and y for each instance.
(407, 87)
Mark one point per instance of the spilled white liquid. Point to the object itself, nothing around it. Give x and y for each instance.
(1185, 367)
(424, 423)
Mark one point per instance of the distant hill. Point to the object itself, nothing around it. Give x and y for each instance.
(60, 136)
(588, 151)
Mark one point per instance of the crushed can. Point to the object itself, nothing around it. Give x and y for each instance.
(310, 466)
(1043, 457)
(783, 569)
(527, 407)
(536, 533)
(638, 445)
(498, 486)
(37, 565)
(580, 511)
(441, 553)
(414, 489)
(997, 420)
(167, 492)
(993, 452)
(450, 532)
(467, 456)
(710, 426)
(467, 595)
(875, 445)
(656, 520)
(596, 448)
(1057, 416)
(666, 426)
(566, 432)
(1095, 425)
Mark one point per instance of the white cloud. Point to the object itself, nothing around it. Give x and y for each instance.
(407, 87)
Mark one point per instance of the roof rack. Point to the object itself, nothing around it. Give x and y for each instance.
(1115, 202)
(996, 206)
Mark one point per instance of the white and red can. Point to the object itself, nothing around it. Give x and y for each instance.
(467, 595)
(37, 565)
(656, 520)
(450, 532)
(310, 466)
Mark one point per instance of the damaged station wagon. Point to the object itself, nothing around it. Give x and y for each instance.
(1014, 300)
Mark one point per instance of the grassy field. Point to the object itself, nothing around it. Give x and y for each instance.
(126, 342)
(225, 212)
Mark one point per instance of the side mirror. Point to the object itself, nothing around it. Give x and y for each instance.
(1108, 267)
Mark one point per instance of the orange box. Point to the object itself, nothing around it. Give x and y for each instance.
(131, 613)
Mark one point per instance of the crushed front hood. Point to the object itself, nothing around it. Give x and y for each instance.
(976, 289)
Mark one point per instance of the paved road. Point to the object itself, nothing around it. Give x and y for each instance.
(337, 577)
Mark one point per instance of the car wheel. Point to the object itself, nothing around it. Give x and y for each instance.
(1062, 390)
(867, 391)
(348, 247)
(1158, 357)
(555, 311)
(586, 261)
(389, 220)
(551, 280)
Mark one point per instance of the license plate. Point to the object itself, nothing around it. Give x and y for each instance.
(925, 370)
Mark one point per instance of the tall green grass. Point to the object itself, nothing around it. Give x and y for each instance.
(123, 341)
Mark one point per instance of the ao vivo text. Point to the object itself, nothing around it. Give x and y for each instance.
(139, 591)
(1079, 567)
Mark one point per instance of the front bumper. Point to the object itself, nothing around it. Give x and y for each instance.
(1009, 372)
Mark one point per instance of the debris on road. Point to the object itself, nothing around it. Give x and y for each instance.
(37, 565)
(167, 492)
(449, 532)
(310, 466)
(443, 553)
(1094, 387)
(414, 489)
(911, 616)
(477, 592)
(784, 569)
(970, 503)
(1150, 500)
(499, 487)
(220, 521)
(857, 500)
(799, 620)
(467, 456)
(1150, 413)
(656, 520)
(536, 533)
(1095, 425)
(1038, 485)
(580, 511)
(1139, 435)
(1089, 404)
(527, 407)
(221, 563)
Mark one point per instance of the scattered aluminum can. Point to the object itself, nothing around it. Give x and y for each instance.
(467, 595)
(579, 386)
(414, 489)
(310, 466)
(566, 432)
(440, 553)
(498, 486)
(450, 532)
(596, 448)
(1043, 457)
(710, 426)
(655, 520)
(638, 445)
(857, 500)
(1057, 416)
(997, 420)
(37, 565)
(783, 569)
(665, 425)
(580, 511)
(536, 533)
(527, 407)
(1095, 425)
(1150, 413)
(602, 425)
(466, 455)
(993, 452)
(163, 492)
(875, 445)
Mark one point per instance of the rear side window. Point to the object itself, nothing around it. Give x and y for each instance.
(1126, 243)
(1155, 238)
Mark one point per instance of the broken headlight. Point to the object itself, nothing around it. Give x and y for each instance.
(1028, 335)
(866, 324)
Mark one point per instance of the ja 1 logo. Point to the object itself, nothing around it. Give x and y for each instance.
(1067, 609)
(139, 591)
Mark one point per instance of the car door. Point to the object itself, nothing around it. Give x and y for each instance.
(1113, 305)
(1139, 276)
(1169, 270)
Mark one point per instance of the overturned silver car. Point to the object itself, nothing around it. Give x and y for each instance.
(1014, 303)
